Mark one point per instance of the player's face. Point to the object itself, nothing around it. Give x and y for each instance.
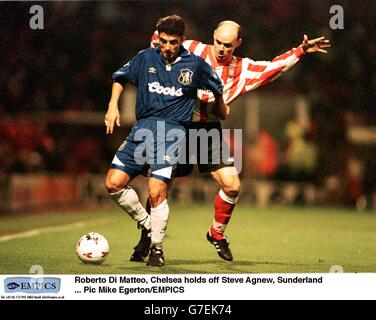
(170, 46)
(224, 45)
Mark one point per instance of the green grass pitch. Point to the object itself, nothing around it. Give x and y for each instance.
(263, 240)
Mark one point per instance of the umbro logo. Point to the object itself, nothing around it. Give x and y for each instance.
(167, 158)
(152, 70)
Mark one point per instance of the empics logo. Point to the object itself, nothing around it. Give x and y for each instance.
(12, 285)
(31, 285)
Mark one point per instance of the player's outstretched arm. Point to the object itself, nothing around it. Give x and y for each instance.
(113, 115)
(315, 45)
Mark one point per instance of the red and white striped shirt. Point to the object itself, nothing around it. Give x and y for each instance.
(239, 75)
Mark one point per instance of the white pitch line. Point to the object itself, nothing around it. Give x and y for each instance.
(35, 232)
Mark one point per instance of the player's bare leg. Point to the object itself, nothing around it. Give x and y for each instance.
(127, 199)
(224, 205)
(159, 212)
(146, 233)
(148, 205)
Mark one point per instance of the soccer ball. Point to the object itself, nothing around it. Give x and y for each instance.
(92, 248)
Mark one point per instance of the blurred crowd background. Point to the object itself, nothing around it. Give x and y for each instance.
(55, 85)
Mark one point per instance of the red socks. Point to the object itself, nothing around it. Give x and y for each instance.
(223, 205)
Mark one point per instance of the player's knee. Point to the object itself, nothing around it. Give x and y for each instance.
(156, 196)
(113, 185)
(236, 186)
(231, 193)
(233, 189)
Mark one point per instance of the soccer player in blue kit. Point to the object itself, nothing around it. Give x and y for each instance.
(167, 79)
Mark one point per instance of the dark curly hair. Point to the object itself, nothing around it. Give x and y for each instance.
(172, 25)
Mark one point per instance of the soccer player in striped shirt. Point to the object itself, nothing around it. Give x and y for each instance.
(238, 75)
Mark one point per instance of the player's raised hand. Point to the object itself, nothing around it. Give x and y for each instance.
(315, 45)
(154, 42)
(112, 116)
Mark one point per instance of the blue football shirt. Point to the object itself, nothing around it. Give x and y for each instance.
(167, 91)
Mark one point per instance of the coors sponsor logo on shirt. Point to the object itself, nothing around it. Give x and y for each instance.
(167, 91)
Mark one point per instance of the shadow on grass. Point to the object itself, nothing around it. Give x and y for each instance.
(210, 266)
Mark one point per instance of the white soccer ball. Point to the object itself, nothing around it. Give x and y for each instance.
(92, 248)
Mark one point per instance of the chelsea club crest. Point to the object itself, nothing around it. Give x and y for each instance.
(185, 76)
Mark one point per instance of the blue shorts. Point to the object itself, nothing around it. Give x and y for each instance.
(153, 143)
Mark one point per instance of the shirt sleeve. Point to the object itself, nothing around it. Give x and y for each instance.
(208, 79)
(129, 72)
(258, 73)
(154, 40)
(198, 48)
